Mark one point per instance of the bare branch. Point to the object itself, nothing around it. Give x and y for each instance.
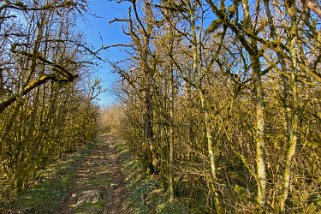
(314, 8)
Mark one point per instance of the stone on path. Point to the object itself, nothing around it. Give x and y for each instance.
(89, 196)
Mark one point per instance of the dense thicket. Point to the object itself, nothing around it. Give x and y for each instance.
(46, 107)
(223, 101)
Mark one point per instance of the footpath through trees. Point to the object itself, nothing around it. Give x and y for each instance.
(92, 182)
(99, 185)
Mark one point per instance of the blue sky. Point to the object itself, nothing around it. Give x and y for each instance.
(96, 27)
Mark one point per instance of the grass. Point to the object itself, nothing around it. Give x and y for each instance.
(101, 181)
(46, 196)
(90, 208)
(146, 194)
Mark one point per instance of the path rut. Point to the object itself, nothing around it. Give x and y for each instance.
(101, 171)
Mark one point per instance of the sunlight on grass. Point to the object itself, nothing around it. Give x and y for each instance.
(146, 195)
(49, 194)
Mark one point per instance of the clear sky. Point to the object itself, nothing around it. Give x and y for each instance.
(97, 27)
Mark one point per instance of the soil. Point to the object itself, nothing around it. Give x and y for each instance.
(100, 170)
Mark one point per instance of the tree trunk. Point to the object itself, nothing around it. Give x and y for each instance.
(259, 135)
(291, 7)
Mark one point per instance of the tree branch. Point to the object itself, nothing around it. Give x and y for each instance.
(29, 87)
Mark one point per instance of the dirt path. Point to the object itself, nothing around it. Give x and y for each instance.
(99, 185)
(116, 192)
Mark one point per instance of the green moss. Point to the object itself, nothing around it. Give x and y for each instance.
(102, 180)
(90, 208)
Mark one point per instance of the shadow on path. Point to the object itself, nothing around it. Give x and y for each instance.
(99, 185)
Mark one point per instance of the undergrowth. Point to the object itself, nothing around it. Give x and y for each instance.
(146, 195)
(51, 188)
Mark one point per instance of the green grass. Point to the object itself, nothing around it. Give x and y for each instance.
(101, 181)
(90, 208)
(146, 194)
(46, 196)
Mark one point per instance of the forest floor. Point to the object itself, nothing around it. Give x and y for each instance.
(99, 185)
(104, 177)
(88, 182)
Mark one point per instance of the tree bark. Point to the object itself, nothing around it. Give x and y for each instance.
(293, 129)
